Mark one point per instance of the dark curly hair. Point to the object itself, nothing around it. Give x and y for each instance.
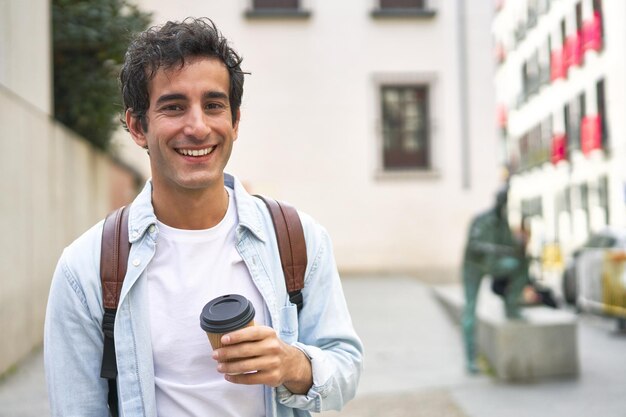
(167, 46)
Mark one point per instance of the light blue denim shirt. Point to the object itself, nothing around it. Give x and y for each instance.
(73, 337)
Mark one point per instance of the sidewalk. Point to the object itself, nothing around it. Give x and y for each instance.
(419, 372)
(23, 390)
(414, 366)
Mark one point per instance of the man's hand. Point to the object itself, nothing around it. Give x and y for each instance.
(255, 355)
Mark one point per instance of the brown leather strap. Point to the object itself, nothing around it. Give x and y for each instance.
(291, 244)
(114, 256)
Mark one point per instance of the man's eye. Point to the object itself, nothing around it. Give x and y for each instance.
(214, 106)
(172, 107)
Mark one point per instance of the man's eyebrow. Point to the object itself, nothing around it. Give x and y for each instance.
(169, 97)
(215, 95)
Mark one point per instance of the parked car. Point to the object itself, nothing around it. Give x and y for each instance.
(594, 279)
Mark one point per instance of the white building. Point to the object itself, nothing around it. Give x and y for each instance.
(560, 88)
(358, 113)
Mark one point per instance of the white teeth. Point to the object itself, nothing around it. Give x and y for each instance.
(196, 152)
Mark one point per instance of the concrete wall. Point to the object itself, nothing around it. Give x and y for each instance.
(54, 186)
(310, 128)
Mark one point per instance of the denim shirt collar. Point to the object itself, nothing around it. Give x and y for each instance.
(141, 215)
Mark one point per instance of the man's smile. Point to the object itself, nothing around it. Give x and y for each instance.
(196, 152)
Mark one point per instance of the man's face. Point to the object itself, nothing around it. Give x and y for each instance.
(190, 131)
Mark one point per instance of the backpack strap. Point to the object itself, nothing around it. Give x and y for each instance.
(291, 246)
(113, 263)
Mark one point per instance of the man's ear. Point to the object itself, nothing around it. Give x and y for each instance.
(136, 129)
(236, 124)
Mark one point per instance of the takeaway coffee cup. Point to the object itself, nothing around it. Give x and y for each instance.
(226, 314)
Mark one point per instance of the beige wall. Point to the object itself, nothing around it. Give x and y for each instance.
(25, 51)
(310, 123)
(54, 186)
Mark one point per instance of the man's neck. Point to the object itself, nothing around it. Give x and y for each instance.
(190, 209)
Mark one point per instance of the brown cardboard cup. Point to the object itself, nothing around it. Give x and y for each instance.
(226, 314)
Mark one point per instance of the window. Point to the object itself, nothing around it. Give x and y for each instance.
(602, 113)
(402, 4)
(524, 151)
(603, 191)
(574, 113)
(530, 75)
(546, 139)
(405, 127)
(403, 8)
(544, 62)
(277, 8)
(532, 13)
(275, 4)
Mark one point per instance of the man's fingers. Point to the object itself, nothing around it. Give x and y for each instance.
(257, 348)
(247, 334)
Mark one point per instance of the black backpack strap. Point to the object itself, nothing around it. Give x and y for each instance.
(291, 246)
(113, 263)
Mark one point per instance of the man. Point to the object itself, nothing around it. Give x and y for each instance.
(491, 250)
(196, 234)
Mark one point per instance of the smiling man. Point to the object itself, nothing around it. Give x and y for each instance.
(196, 234)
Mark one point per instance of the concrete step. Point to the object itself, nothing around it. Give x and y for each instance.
(543, 344)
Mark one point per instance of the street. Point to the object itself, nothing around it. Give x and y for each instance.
(414, 366)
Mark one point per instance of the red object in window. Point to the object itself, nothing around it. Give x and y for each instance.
(501, 116)
(573, 50)
(557, 65)
(591, 134)
(558, 147)
(592, 33)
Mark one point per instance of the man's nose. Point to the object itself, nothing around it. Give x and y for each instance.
(196, 124)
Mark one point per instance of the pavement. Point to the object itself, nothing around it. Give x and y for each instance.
(414, 365)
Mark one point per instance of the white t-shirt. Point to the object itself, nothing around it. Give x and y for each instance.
(190, 268)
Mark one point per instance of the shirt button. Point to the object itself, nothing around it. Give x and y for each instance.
(136, 262)
(152, 228)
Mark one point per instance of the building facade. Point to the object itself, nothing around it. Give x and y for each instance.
(560, 93)
(376, 117)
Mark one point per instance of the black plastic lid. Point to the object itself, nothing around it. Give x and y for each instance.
(226, 313)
